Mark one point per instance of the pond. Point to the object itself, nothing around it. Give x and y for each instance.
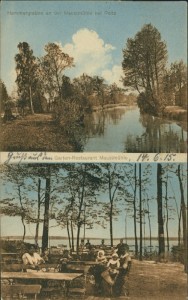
(124, 129)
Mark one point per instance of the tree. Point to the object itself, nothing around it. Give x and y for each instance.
(131, 177)
(113, 92)
(144, 60)
(184, 216)
(83, 89)
(99, 88)
(112, 180)
(80, 185)
(179, 80)
(26, 68)
(4, 97)
(46, 210)
(140, 208)
(160, 211)
(53, 65)
(16, 203)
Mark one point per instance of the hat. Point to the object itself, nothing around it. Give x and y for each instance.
(114, 255)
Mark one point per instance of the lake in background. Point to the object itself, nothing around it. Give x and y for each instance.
(124, 129)
(63, 242)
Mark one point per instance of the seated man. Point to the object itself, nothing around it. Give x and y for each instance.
(32, 258)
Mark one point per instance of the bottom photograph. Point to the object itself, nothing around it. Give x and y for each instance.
(94, 231)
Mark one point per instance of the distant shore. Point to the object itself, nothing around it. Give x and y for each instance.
(17, 237)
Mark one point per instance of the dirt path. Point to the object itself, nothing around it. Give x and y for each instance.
(36, 132)
(158, 281)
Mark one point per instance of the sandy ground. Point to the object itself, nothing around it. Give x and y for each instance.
(157, 281)
(148, 280)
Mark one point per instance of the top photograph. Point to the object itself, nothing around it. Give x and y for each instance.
(93, 76)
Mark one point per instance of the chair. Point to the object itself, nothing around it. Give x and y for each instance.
(20, 290)
(77, 288)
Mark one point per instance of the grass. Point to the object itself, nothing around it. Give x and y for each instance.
(36, 132)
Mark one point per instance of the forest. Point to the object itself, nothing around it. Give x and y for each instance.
(78, 198)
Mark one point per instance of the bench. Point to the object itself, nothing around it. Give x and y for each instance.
(10, 291)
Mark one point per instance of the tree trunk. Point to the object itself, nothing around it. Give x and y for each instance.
(140, 209)
(72, 236)
(111, 226)
(68, 233)
(179, 228)
(45, 234)
(167, 217)
(38, 213)
(184, 220)
(78, 238)
(31, 100)
(80, 208)
(149, 223)
(134, 205)
(22, 215)
(160, 212)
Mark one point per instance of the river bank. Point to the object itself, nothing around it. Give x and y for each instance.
(110, 130)
(175, 113)
(36, 132)
(107, 106)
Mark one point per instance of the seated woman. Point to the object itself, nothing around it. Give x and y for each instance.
(111, 274)
(121, 281)
(32, 258)
(98, 269)
(113, 266)
(101, 258)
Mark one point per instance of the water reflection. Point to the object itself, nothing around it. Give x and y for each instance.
(96, 122)
(159, 136)
(124, 129)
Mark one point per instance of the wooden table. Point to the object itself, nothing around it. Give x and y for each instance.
(83, 262)
(65, 277)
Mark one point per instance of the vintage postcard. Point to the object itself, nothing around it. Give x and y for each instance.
(93, 150)
(94, 76)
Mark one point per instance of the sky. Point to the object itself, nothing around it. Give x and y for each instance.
(93, 32)
(11, 226)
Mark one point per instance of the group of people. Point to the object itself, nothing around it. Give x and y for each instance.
(113, 271)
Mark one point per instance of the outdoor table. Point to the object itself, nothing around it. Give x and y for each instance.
(83, 262)
(65, 277)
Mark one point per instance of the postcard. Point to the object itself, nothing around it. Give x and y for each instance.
(94, 76)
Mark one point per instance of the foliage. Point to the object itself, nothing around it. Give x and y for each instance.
(26, 67)
(15, 246)
(52, 66)
(178, 253)
(175, 84)
(144, 61)
(4, 97)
